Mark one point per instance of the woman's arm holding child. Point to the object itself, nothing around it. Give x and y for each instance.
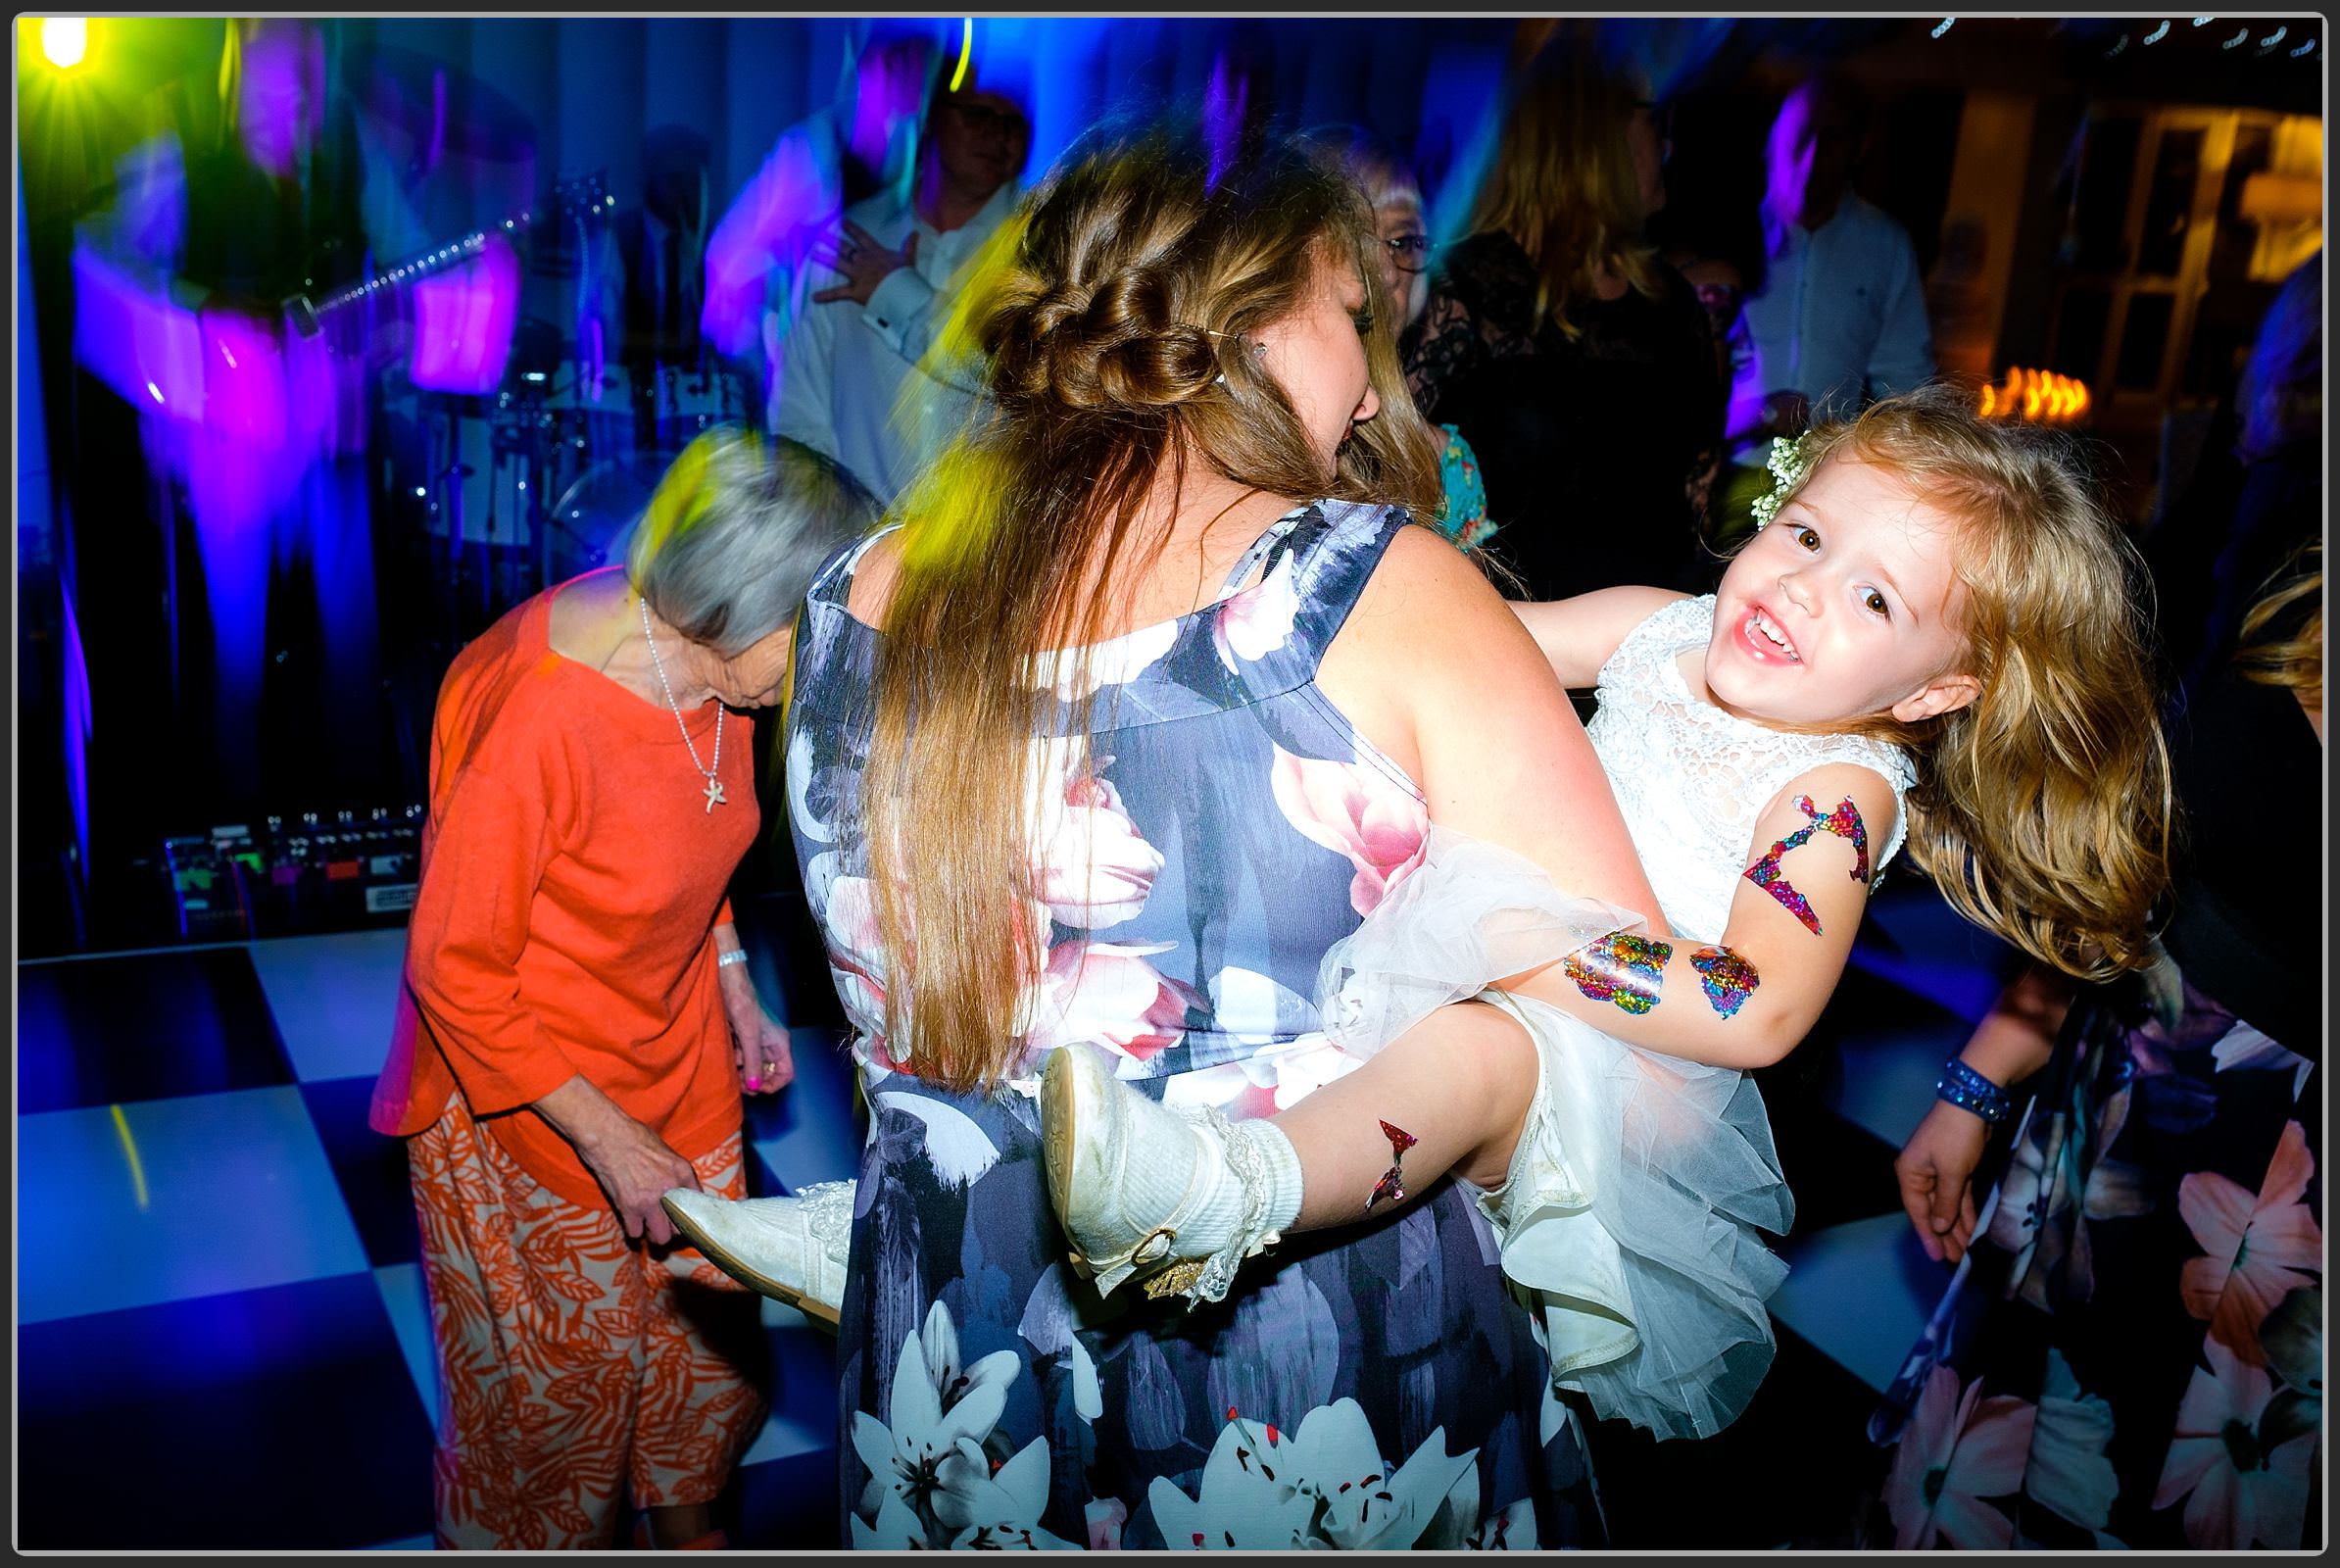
(1579, 634)
(1747, 1000)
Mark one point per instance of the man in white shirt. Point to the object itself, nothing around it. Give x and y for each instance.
(1841, 319)
(852, 382)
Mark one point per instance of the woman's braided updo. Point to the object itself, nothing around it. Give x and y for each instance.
(1133, 279)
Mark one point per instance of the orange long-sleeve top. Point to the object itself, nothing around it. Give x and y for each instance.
(571, 879)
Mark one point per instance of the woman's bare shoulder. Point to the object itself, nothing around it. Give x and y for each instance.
(875, 573)
(1430, 647)
(1423, 579)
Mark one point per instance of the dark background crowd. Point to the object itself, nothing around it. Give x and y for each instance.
(337, 339)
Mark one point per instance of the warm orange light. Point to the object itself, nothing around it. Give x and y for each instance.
(2041, 396)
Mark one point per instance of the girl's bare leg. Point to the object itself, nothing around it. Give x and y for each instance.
(1458, 1082)
(1179, 1199)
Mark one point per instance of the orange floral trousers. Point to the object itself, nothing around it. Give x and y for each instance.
(571, 1363)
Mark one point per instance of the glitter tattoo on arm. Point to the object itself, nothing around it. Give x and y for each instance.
(1392, 1186)
(1728, 979)
(1620, 969)
(1844, 821)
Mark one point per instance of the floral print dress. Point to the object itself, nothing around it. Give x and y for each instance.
(1209, 824)
(2135, 1355)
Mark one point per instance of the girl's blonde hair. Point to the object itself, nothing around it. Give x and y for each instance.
(1563, 183)
(2042, 809)
(1113, 315)
(2271, 657)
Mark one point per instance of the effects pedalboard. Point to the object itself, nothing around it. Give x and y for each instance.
(297, 878)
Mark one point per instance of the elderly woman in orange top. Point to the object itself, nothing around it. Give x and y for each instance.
(578, 1023)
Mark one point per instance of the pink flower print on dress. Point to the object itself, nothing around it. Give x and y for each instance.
(2237, 1488)
(1106, 1516)
(1254, 624)
(1354, 809)
(1106, 993)
(2257, 1249)
(848, 923)
(1955, 1451)
(1095, 869)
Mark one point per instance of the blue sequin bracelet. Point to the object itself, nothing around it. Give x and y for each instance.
(1961, 1086)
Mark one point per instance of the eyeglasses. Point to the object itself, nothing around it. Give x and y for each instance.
(1411, 252)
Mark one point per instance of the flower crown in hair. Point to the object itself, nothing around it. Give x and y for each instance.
(1789, 465)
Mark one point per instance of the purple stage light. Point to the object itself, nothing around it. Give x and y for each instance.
(464, 320)
(1225, 103)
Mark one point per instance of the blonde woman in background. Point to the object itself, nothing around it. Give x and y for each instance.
(1578, 365)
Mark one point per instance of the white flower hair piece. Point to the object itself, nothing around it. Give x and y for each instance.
(1789, 466)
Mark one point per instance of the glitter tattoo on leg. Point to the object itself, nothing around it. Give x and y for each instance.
(1620, 969)
(1392, 1186)
(1728, 979)
(1844, 821)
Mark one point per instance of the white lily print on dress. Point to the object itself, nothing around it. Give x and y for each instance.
(1048, 1325)
(914, 1459)
(1457, 1526)
(999, 1510)
(1324, 1484)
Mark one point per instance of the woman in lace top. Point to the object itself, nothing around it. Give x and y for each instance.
(1578, 363)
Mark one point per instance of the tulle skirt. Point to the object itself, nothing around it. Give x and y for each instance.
(1630, 1220)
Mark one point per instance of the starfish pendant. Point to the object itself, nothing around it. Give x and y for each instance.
(714, 795)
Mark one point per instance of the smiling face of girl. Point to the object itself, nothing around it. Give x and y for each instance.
(1845, 608)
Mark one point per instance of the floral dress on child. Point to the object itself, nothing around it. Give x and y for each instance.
(1209, 827)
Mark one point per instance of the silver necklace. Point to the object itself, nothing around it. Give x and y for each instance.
(714, 785)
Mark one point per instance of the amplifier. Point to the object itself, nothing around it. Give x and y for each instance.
(296, 876)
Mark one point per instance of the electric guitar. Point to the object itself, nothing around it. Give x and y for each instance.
(579, 201)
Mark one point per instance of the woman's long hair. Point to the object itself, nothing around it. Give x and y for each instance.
(1563, 184)
(1112, 313)
(2043, 808)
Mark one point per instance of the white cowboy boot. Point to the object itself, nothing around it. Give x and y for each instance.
(793, 1249)
(1180, 1196)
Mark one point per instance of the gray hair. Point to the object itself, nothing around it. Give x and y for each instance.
(736, 532)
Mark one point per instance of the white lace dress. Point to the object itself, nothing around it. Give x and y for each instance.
(1630, 1221)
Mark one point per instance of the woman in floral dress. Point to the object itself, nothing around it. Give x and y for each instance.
(2133, 1354)
(1148, 840)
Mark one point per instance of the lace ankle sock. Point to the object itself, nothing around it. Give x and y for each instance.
(1255, 1193)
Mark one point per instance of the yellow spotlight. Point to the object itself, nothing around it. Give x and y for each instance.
(65, 40)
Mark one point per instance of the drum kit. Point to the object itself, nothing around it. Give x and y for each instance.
(543, 478)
